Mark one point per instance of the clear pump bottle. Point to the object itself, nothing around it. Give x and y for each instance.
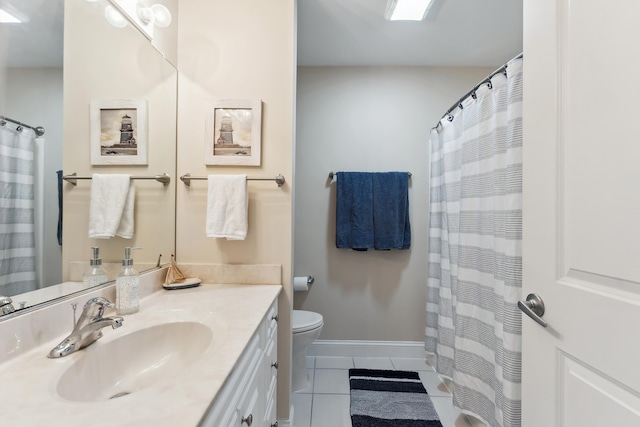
(95, 274)
(127, 286)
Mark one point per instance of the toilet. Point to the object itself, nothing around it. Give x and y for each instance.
(306, 327)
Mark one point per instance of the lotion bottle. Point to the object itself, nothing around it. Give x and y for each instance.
(95, 274)
(127, 286)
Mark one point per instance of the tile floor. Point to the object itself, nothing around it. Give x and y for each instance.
(325, 402)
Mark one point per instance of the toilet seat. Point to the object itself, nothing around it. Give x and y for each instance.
(303, 321)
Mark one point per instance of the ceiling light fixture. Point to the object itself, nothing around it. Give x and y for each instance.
(407, 10)
(8, 18)
(144, 18)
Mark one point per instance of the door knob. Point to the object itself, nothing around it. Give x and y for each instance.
(534, 308)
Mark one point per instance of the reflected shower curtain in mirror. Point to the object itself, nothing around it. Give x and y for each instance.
(473, 325)
(17, 236)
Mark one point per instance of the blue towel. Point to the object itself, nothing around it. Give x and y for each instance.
(354, 210)
(391, 227)
(372, 210)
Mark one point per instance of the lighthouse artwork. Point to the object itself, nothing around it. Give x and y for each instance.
(118, 132)
(233, 133)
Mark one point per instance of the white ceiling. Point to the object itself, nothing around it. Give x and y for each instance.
(37, 43)
(333, 33)
(456, 33)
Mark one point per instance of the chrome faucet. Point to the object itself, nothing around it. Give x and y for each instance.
(88, 328)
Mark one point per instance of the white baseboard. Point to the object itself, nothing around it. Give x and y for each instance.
(352, 348)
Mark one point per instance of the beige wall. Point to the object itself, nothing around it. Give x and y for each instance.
(103, 62)
(367, 119)
(241, 49)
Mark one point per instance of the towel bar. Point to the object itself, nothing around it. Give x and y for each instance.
(164, 178)
(187, 178)
(333, 174)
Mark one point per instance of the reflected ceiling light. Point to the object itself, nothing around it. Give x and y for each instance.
(11, 15)
(114, 17)
(7, 18)
(157, 15)
(407, 10)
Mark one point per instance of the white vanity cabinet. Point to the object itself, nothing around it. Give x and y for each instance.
(248, 398)
(271, 366)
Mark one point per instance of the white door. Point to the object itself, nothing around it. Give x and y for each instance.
(581, 233)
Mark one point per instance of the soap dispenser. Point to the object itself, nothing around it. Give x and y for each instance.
(127, 286)
(95, 274)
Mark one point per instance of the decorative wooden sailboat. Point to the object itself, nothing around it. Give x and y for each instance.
(175, 278)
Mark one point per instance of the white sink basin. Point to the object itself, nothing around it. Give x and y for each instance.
(134, 361)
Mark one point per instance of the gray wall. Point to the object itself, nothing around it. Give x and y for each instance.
(366, 119)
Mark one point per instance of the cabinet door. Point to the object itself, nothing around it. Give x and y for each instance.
(271, 373)
(225, 410)
(250, 407)
(270, 418)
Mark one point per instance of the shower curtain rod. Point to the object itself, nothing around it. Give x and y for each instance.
(39, 130)
(502, 69)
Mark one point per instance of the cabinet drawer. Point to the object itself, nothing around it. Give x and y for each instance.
(270, 417)
(227, 402)
(271, 320)
(249, 405)
(249, 397)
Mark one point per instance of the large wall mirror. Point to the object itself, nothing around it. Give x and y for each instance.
(65, 55)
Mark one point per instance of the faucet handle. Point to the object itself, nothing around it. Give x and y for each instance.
(6, 305)
(96, 303)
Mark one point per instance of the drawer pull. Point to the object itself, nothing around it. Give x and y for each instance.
(275, 364)
(275, 317)
(248, 420)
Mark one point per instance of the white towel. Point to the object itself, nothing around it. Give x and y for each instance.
(111, 206)
(227, 204)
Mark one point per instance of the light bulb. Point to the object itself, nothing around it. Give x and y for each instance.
(145, 14)
(114, 17)
(162, 15)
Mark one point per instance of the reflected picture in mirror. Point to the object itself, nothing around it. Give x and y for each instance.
(41, 86)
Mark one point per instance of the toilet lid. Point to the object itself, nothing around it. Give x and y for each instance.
(303, 321)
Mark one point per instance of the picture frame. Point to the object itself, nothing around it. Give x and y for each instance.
(233, 132)
(119, 132)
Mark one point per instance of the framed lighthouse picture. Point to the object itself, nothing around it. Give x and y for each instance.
(119, 134)
(233, 128)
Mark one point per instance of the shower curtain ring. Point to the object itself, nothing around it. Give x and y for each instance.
(19, 128)
(450, 117)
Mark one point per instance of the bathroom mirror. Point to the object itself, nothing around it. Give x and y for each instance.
(100, 62)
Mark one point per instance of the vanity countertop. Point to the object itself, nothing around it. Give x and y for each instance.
(29, 393)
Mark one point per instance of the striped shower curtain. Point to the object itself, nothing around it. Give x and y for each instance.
(17, 236)
(473, 324)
